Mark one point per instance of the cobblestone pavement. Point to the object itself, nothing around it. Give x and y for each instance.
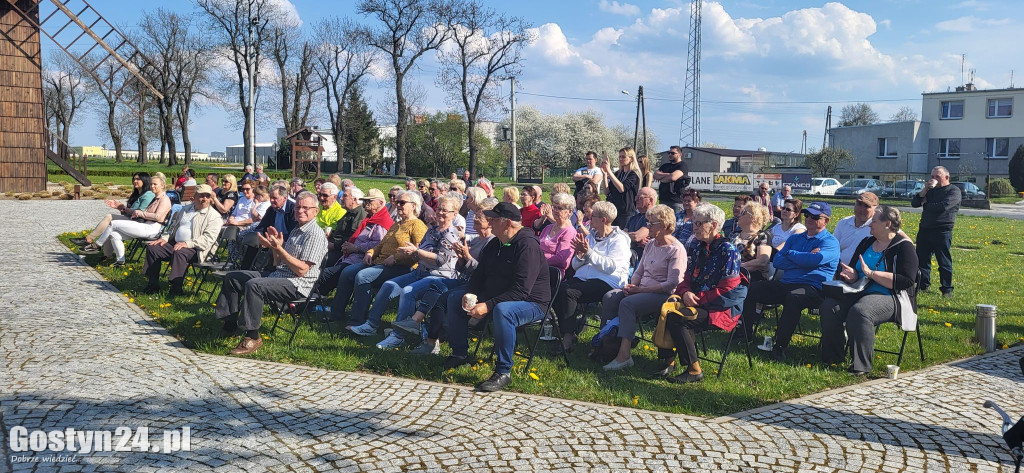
(77, 354)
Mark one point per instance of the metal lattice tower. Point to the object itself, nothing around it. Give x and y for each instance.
(689, 126)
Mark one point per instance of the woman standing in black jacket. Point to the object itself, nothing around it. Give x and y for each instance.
(622, 185)
(889, 261)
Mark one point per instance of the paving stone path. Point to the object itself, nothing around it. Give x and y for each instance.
(77, 355)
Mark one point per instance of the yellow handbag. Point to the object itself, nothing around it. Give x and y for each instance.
(673, 306)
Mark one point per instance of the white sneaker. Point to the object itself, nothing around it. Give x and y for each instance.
(616, 365)
(392, 341)
(427, 349)
(364, 330)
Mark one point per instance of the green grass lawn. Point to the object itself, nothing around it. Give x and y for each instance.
(988, 254)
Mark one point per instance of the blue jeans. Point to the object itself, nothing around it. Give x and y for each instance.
(360, 280)
(407, 288)
(506, 317)
(420, 295)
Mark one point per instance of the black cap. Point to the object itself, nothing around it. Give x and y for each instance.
(504, 210)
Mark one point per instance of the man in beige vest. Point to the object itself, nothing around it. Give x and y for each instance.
(190, 238)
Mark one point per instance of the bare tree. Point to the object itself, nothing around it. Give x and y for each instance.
(64, 92)
(343, 59)
(485, 45)
(165, 35)
(293, 56)
(857, 114)
(191, 75)
(242, 28)
(109, 78)
(407, 30)
(904, 114)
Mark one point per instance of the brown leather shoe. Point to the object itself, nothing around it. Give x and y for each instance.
(247, 346)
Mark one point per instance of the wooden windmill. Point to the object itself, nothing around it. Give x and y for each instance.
(25, 141)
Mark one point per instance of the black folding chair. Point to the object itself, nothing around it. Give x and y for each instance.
(555, 279)
(300, 310)
(903, 344)
(728, 347)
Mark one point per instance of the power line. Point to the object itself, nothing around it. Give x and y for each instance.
(747, 102)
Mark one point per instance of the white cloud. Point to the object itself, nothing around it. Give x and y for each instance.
(617, 8)
(973, 4)
(552, 45)
(887, 23)
(967, 24)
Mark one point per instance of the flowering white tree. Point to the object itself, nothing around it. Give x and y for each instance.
(561, 141)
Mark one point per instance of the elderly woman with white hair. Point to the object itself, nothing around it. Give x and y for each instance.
(712, 291)
(657, 274)
(436, 259)
(381, 263)
(474, 196)
(601, 263)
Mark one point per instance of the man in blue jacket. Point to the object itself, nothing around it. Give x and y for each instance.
(807, 259)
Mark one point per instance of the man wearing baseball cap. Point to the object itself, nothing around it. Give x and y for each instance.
(510, 283)
(366, 234)
(851, 230)
(191, 236)
(807, 259)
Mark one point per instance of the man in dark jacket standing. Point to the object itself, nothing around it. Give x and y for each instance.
(940, 201)
(511, 283)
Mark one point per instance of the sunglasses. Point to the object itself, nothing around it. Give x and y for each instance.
(403, 202)
(702, 222)
(323, 196)
(816, 217)
(787, 209)
(246, 189)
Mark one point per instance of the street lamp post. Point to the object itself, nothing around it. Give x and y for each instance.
(641, 114)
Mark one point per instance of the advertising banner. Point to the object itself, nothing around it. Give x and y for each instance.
(733, 182)
(774, 181)
(799, 182)
(702, 181)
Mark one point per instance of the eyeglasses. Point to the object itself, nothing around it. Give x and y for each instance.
(787, 209)
(816, 217)
(702, 222)
(445, 211)
(307, 208)
(246, 189)
(403, 202)
(323, 196)
(453, 188)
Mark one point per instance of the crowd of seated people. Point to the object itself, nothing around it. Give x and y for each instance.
(477, 257)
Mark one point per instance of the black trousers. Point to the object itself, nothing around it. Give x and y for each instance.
(570, 294)
(794, 299)
(935, 242)
(681, 331)
(257, 290)
(156, 254)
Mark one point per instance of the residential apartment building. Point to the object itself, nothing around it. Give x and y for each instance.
(971, 132)
(974, 131)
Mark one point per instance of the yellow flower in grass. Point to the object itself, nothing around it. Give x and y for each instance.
(265, 337)
(808, 365)
(948, 324)
(474, 368)
(534, 376)
(636, 400)
(131, 299)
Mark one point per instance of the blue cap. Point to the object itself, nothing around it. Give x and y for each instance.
(819, 208)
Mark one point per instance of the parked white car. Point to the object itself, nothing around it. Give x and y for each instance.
(824, 186)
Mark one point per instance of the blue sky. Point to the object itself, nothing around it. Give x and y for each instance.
(779, 64)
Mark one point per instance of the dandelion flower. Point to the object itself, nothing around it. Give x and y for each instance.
(636, 400)
(948, 324)
(474, 368)
(131, 299)
(808, 365)
(534, 376)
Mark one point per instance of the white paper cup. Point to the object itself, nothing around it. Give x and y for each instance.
(892, 371)
(468, 301)
(767, 345)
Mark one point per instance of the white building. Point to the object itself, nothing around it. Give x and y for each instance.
(263, 152)
(974, 130)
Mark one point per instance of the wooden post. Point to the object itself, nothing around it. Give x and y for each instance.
(78, 192)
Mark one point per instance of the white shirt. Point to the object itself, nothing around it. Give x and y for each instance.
(591, 173)
(184, 232)
(779, 236)
(849, 236)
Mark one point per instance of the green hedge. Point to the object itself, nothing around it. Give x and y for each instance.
(1000, 187)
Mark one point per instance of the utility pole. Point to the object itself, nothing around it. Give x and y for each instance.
(641, 114)
(828, 126)
(250, 130)
(515, 172)
(643, 117)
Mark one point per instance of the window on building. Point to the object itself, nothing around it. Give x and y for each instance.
(887, 147)
(1000, 108)
(997, 147)
(949, 148)
(953, 110)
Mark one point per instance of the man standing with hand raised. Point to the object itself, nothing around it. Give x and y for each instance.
(940, 201)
